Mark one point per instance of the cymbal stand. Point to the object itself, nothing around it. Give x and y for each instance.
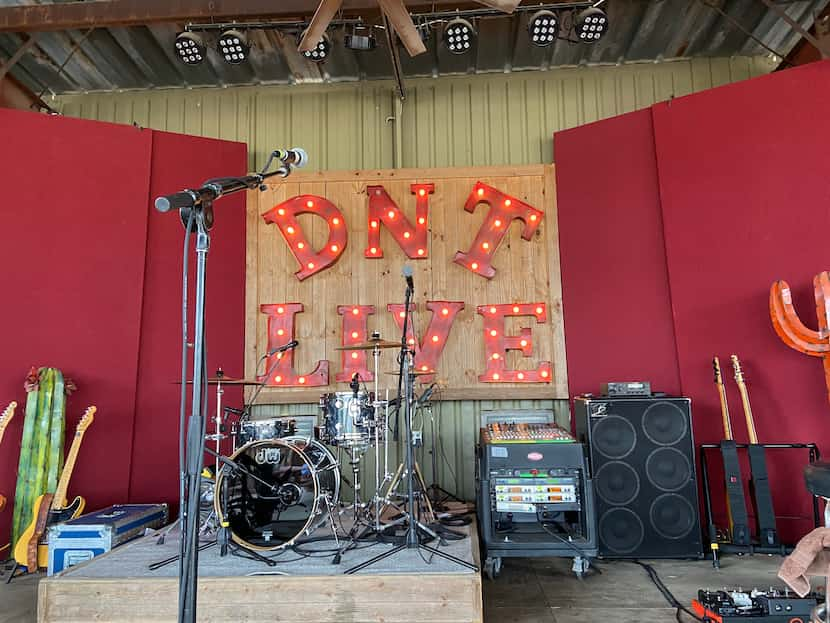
(219, 393)
(376, 405)
(355, 532)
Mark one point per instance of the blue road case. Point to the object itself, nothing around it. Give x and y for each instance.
(90, 535)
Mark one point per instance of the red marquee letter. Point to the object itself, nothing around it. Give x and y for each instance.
(281, 331)
(412, 239)
(503, 211)
(354, 330)
(285, 216)
(496, 343)
(428, 350)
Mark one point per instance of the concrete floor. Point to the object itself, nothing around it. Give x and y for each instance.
(543, 590)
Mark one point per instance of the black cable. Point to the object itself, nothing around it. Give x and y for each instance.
(566, 542)
(667, 594)
(183, 399)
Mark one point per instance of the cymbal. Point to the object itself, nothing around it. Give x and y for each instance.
(225, 380)
(416, 373)
(370, 345)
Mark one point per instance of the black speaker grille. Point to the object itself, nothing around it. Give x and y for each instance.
(672, 517)
(668, 469)
(617, 483)
(614, 437)
(642, 460)
(664, 423)
(621, 530)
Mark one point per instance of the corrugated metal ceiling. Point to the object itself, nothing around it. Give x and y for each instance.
(113, 59)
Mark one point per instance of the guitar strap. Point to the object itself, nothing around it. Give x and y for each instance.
(762, 496)
(735, 501)
(759, 479)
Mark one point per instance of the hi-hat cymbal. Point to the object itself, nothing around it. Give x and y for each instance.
(225, 380)
(416, 373)
(370, 345)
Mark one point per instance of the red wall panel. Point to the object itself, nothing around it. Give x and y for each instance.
(685, 214)
(183, 162)
(92, 282)
(746, 201)
(615, 292)
(74, 231)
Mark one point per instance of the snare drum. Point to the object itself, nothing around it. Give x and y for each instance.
(257, 430)
(348, 419)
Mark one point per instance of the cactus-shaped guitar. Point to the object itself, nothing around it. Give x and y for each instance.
(792, 331)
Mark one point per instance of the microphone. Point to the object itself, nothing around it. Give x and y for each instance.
(283, 348)
(295, 157)
(407, 274)
(213, 189)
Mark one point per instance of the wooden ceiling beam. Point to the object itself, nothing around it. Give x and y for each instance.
(113, 13)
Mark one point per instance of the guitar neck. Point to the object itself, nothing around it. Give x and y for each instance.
(724, 411)
(750, 422)
(59, 500)
(6, 417)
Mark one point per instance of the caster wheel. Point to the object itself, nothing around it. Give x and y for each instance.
(492, 567)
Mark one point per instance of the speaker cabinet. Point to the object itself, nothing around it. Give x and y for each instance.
(641, 456)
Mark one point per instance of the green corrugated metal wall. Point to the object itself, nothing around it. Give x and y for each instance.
(479, 120)
(457, 421)
(453, 121)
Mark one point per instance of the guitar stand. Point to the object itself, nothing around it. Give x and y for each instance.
(15, 574)
(717, 546)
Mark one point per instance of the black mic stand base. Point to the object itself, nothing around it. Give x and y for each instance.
(418, 546)
(232, 547)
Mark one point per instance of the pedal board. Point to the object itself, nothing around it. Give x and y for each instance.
(768, 606)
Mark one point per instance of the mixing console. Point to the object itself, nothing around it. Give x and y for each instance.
(502, 432)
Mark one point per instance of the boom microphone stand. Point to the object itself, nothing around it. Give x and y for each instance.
(195, 208)
(412, 539)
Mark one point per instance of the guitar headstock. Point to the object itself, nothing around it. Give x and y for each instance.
(86, 420)
(736, 365)
(716, 368)
(8, 414)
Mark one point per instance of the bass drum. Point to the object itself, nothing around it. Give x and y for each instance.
(303, 484)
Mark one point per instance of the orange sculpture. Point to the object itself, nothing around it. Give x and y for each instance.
(792, 331)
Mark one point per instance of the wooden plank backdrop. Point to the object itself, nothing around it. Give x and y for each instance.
(527, 272)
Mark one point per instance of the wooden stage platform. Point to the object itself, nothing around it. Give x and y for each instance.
(404, 588)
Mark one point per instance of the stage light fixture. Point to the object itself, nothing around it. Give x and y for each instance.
(459, 35)
(233, 46)
(190, 48)
(543, 28)
(361, 41)
(590, 25)
(320, 52)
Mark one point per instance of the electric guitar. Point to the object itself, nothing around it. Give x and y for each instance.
(759, 481)
(7, 416)
(51, 508)
(735, 501)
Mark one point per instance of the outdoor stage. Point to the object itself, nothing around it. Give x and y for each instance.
(403, 588)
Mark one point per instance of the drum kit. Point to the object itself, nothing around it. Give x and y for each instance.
(277, 487)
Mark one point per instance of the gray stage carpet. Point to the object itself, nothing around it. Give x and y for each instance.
(133, 559)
